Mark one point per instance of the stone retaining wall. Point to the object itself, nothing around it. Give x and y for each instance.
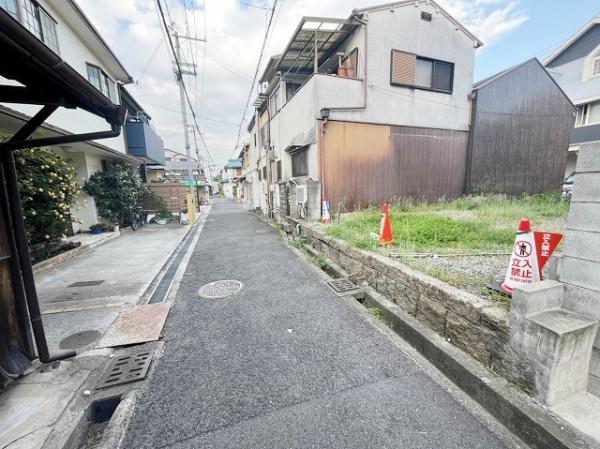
(475, 325)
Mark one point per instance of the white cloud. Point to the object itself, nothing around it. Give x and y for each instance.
(234, 33)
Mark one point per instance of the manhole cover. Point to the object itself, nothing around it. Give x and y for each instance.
(79, 340)
(85, 283)
(342, 285)
(126, 368)
(220, 289)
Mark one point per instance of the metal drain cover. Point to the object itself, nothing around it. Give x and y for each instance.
(220, 289)
(85, 283)
(127, 368)
(79, 340)
(342, 285)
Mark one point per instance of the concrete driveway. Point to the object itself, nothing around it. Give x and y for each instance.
(87, 292)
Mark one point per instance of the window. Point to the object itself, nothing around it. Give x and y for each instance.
(596, 66)
(264, 173)
(291, 89)
(94, 76)
(31, 18)
(279, 174)
(48, 30)
(10, 6)
(420, 72)
(37, 21)
(259, 174)
(102, 82)
(300, 162)
(588, 114)
(274, 102)
(351, 63)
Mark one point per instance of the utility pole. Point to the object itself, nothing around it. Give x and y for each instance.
(191, 200)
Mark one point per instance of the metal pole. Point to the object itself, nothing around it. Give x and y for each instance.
(316, 68)
(191, 213)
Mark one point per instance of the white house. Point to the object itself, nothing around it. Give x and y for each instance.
(363, 110)
(575, 66)
(64, 28)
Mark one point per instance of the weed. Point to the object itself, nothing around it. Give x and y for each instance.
(476, 223)
(502, 300)
(298, 243)
(320, 262)
(376, 312)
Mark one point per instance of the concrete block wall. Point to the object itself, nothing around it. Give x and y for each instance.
(579, 266)
(475, 325)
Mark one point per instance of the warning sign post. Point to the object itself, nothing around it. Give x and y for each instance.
(531, 251)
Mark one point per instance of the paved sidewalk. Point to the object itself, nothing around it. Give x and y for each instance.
(122, 269)
(285, 363)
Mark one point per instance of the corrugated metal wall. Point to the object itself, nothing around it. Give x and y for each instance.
(365, 164)
(520, 134)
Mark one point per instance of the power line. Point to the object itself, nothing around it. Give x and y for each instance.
(262, 50)
(180, 74)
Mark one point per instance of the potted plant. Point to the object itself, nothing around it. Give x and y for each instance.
(96, 228)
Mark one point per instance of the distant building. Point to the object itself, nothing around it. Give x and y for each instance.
(520, 130)
(575, 66)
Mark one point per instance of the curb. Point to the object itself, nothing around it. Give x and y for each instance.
(533, 424)
(53, 261)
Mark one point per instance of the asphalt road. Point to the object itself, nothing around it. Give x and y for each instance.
(284, 363)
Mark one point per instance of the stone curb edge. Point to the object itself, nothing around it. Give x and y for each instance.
(533, 424)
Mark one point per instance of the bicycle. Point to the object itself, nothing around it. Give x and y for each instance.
(137, 221)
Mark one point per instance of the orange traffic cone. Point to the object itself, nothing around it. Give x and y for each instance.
(385, 233)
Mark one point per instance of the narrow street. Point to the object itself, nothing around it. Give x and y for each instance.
(284, 362)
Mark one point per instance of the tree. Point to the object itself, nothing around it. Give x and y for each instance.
(116, 191)
(49, 190)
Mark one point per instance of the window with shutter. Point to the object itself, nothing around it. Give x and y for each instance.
(403, 68)
(421, 73)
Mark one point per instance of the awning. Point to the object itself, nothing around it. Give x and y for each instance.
(320, 33)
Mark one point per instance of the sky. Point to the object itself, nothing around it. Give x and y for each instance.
(512, 31)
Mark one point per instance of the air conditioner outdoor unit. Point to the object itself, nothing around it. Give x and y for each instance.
(301, 195)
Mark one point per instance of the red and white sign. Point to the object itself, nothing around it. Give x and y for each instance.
(530, 253)
(545, 244)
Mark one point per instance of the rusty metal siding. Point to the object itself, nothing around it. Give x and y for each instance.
(520, 134)
(364, 164)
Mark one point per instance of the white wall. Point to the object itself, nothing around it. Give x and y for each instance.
(73, 51)
(402, 29)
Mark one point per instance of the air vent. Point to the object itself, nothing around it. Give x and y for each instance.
(426, 16)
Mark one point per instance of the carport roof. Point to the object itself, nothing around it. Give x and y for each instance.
(299, 55)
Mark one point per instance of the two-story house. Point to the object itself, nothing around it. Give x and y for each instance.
(64, 29)
(575, 66)
(363, 110)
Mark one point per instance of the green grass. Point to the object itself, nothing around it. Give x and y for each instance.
(376, 312)
(482, 223)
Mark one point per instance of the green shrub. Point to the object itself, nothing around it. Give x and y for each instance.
(48, 191)
(116, 191)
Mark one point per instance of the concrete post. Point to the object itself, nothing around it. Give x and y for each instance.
(579, 268)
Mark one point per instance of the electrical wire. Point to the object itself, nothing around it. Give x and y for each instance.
(262, 50)
(180, 74)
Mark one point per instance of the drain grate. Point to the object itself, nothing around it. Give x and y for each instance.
(79, 340)
(220, 289)
(85, 283)
(126, 369)
(342, 285)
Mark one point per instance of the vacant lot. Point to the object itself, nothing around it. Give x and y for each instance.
(465, 242)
